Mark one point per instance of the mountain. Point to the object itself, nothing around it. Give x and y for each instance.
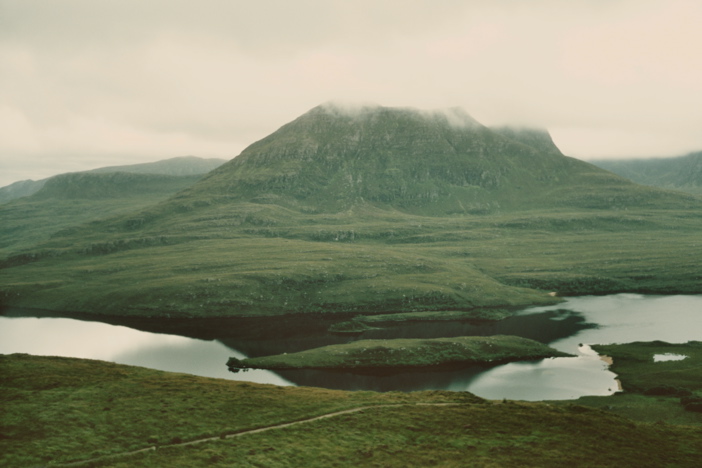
(372, 210)
(22, 188)
(178, 166)
(418, 162)
(679, 173)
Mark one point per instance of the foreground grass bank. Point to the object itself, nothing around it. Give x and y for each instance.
(406, 353)
(59, 410)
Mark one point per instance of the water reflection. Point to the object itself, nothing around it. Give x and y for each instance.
(545, 326)
(95, 340)
(202, 347)
(548, 379)
(386, 380)
(625, 318)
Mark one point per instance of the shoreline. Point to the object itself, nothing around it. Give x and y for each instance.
(610, 362)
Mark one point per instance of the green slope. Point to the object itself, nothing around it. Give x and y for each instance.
(178, 166)
(381, 210)
(59, 410)
(679, 173)
(69, 200)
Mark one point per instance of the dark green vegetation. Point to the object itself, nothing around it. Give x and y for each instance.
(378, 211)
(68, 200)
(404, 353)
(634, 364)
(59, 410)
(666, 391)
(362, 323)
(680, 173)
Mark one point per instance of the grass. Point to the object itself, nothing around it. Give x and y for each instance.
(652, 390)
(58, 410)
(239, 265)
(404, 353)
(633, 362)
(70, 200)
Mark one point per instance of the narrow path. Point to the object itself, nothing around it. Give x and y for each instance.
(250, 431)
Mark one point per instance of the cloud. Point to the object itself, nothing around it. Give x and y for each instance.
(98, 81)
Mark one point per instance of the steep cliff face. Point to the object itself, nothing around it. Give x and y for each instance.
(437, 163)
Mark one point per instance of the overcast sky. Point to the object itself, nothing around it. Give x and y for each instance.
(86, 83)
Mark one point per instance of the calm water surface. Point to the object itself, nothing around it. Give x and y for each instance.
(204, 351)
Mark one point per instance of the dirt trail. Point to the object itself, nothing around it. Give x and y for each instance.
(250, 431)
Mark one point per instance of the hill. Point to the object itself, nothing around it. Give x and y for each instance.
(679, 173)
(57, 411)
(178, 166)
(429, 163)
(375, 210)
(69, 200)
(19, 189)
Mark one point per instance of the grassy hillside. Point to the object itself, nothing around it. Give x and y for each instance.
(70, 200)
(383, 210)
(19, 189)
(254, 261)
(179, 166)
(60, 410)
(680, 173)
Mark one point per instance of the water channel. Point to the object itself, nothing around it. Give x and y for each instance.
(202, 347)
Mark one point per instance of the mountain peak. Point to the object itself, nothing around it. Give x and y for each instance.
(454, 116)
(422, 161)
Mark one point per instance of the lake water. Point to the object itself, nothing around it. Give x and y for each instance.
(203, 347)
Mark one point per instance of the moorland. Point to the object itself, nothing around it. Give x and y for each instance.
(375, 211)
(58, 411)
(390, 213)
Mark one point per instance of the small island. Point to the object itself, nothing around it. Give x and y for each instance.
(406, 353)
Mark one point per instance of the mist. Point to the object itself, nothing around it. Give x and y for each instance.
(90, 84)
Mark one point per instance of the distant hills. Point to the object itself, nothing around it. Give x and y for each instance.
(47, 206)
(679, 173)
(178, 166)
(367, 211)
